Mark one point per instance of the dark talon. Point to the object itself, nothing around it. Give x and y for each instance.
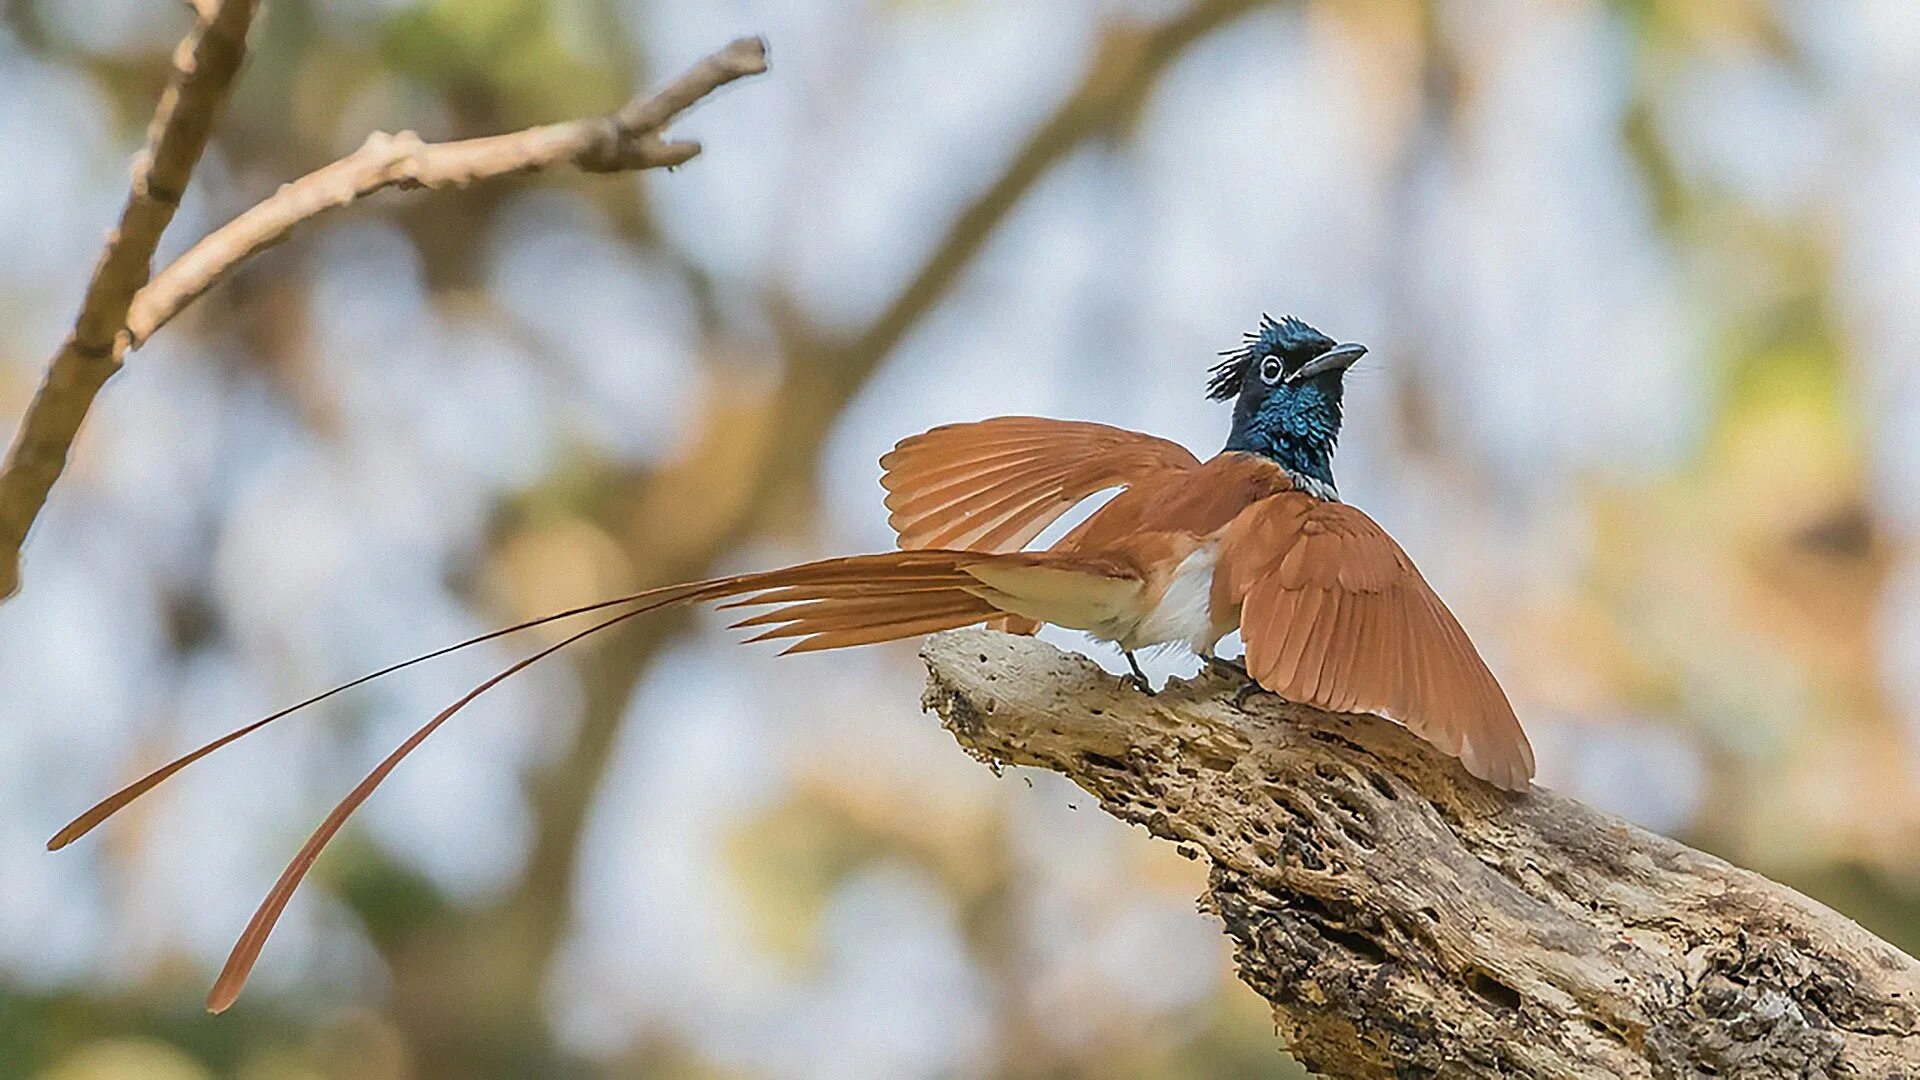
(1249, 686)
(1247, 691)
(1138, 678)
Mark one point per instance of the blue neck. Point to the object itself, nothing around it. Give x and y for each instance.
(1295, 429)
(1307, 459)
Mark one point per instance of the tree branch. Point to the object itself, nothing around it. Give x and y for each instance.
(626, 139)
(1404, 919)
(620, 141)
(204, 67)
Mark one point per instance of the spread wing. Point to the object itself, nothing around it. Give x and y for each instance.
(996, 484)
(1335, 615)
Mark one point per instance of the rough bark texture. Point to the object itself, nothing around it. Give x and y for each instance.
(1407, 920)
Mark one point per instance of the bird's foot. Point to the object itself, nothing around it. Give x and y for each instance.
(1138, 678)
(1249, 690)
(1248, 686)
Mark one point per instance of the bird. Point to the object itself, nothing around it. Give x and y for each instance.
(1331, 611)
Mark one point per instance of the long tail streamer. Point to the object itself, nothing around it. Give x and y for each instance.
(827, 604)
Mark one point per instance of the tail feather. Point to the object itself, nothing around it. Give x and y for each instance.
(955, 605)
(851, 590)
(114, 803)
(830, 604)
(872, 635)
(870, 607)
(233, 975)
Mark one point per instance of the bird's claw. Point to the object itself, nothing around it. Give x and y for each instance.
(1249, 690)
(1249, 686)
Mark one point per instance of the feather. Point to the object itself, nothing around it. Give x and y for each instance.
(933, 468)
(842, 592)
(996, 484)
(828, 604)
(1372, 673)
(111, 805)
(1322, 639)
(1358, 627)
(246, 951)
(980, 511)
(912, 505)
(1297, 613)
(872, 617)
(1332, 611)
(841, 639)
(1350, 641)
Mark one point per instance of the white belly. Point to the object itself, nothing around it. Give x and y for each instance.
(1182, 616)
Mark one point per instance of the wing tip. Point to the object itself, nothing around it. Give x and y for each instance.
(1510, 767)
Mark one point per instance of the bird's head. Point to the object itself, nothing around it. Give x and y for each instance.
(1285, 383)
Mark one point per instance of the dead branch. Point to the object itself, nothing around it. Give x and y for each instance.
(1404, 919)
(204, 67)
(618, 142)
(128, 314)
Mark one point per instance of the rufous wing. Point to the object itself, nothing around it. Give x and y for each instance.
(1335, 615)
(994, 485)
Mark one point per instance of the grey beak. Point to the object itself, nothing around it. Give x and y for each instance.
(1338, 358)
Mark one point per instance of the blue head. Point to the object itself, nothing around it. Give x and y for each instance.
(1285, 383)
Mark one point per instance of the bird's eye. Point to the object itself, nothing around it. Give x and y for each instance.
(1270, 370)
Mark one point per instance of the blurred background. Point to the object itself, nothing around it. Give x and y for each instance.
(1643, 294)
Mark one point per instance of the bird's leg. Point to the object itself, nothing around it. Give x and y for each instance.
(1138, 678)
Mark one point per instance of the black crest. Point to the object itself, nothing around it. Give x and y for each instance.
(1283, 337)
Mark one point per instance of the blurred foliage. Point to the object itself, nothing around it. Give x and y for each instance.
(509, 51)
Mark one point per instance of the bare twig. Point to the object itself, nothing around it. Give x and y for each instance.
(626, 139)
(204, 65)
(620, 141)
(1404, 919)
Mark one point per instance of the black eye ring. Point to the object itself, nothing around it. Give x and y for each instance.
(1270, 370)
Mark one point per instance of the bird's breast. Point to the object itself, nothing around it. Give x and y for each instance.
(1182, 613)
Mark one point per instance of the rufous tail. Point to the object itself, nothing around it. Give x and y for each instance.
(829, 604)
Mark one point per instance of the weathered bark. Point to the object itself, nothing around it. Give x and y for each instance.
(1405, 919)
